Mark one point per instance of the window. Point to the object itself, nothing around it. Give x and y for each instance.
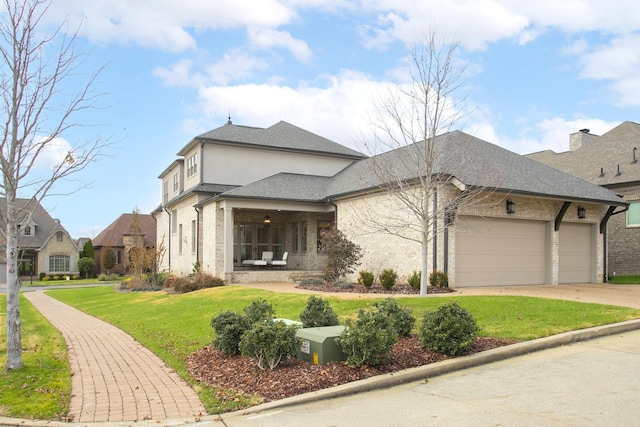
(58, 263)
(192, 165)
(294, 237)
(174, 221)
(165, 191)
(27, 230)
(59, 236)
(118, 257)
(180, 238)
(193, 236)
(322, 227)
(176, 183)
(303, 236)
(633, 214)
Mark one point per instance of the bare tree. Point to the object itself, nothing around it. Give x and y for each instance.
(37, 109)
(417, 161)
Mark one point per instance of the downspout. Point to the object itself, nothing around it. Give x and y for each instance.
(197, 236)
(335, 213)
(169, 237)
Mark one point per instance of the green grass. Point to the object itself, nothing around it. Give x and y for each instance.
(625, 280)
(42, 388)
(174, 326)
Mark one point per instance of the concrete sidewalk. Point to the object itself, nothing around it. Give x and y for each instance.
(114, 377)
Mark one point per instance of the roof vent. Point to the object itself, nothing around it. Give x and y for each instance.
(619, 171)
(634, 155)
(601, 172)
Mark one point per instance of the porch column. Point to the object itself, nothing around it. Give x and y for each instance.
(553, 261)
(228, 239)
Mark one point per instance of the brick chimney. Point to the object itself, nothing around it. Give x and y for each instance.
(580, 139)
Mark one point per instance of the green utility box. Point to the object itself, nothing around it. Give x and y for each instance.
(319, 345)
(289, 322)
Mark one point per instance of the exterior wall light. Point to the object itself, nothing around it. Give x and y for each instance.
(511, 207)
(267, 221)
(582, 212)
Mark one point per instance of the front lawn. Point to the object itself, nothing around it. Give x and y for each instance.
(42, 388)
(625, 280)
(174, 326)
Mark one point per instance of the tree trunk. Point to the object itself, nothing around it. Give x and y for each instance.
(14, 342)
(424, 255)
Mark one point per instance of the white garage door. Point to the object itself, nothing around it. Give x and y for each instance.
(575, 253)
(491, 252)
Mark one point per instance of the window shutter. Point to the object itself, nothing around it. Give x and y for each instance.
(46, 264)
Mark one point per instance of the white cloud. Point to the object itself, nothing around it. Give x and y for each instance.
(166, 24)
(267, 38)
(553, 134)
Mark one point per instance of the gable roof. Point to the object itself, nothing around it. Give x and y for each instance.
(474, 162)
(605, 160)
(46, 226)
(281, 135)
(112, 235)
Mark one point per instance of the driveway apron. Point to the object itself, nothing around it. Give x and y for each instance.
(114, 378)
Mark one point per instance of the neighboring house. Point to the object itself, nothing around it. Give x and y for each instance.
(612, 161)
(238, 191)
(45, 246)
(127, 232)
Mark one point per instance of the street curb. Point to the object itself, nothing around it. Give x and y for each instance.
(374, 383)
(444, 367)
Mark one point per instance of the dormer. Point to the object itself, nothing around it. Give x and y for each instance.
(27, 228)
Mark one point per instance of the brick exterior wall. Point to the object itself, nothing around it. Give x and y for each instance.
(623, 243)
(383, 250)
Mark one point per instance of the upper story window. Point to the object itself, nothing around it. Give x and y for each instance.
(27, 230)
(174, 221)
(176, 182)
(192, 165)
(633, 214)
(165, 191)
(59, 236)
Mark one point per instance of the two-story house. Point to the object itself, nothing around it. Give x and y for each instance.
(236, 192)
(46, 248)
(612, 161)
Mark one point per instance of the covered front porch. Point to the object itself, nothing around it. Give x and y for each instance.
(258, 228)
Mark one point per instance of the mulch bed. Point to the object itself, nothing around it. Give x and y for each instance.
(399, 289)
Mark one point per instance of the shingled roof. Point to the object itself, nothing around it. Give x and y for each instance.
(281, 135)
(474, 162)
(112, 235)
(46, 226)
(607, 160)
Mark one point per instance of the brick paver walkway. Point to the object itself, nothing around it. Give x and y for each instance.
(114, 377)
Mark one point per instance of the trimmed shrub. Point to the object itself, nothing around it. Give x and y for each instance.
(203, 281)
(388, 278)
(401, 318)
(366, 278)
(439, 279)
(269, 344)
(229, 327)
(259, 311)
(312, 282)
(318, 313)
(344, 285)
(449, 330)
(414, 279)
(369, 340)
(45, 278)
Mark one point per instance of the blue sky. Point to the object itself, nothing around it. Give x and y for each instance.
(537, 71)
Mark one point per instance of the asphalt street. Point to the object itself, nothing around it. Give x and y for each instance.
(590, 383)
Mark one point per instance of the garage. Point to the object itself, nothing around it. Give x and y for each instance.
(575, 253)
(497, 251)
